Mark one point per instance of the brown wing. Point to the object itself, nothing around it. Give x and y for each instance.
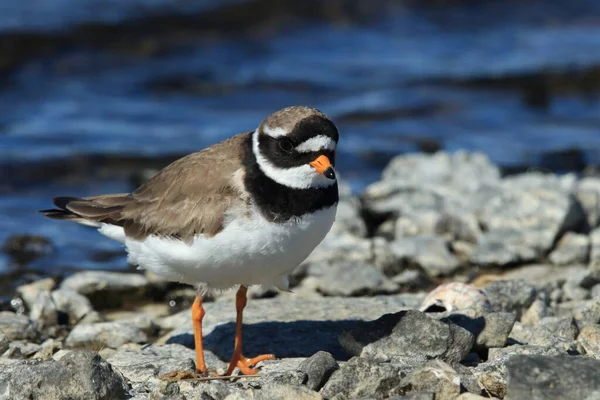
(188, 197)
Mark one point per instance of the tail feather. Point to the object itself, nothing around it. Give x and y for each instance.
(89, 210)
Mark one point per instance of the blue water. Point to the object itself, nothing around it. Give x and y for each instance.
(390, 79)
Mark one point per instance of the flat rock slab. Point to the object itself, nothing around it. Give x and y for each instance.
(287, 326)
(552, 377)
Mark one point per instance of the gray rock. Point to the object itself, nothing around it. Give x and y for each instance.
(417, 184)
(471, 396)
(428, 252)
(107, 289)
(214, 390)
(490, 330)
(48, 348)
(140, 364)
(110, 334)
(276, 391)
(30, 291)
(344, 247)
(468, 381)
(43, 310)
(71, 303)
(19, 349)
(595, 248)
(492, 374)
(587, 313)
(589, 337)
(588, 195)
(18, 327)
(319, 368)
(348, 218)
(435, 377)
(410, 336)
(572, 248)
(360, 377)
(558, 377)
(354, 279)
(285, 325)
(4, 342)
(78, 375)
(535, 312)
(503, 247)
(510, 295)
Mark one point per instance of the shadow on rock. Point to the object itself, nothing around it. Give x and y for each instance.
(284, 339)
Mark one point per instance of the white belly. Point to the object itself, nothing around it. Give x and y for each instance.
(250, 250)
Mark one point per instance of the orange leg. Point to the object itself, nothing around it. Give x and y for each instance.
(197, 316)
(238, 360)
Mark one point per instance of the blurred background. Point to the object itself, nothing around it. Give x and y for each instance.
(96, 94)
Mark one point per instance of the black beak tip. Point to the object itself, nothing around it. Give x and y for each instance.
(329, 173)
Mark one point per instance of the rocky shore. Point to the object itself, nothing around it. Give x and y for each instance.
(518, 316)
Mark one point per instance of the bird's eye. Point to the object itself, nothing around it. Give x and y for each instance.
(286, 145)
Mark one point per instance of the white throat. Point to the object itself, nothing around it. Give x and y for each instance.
(302, 177)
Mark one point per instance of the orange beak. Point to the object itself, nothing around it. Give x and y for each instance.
(323, 166)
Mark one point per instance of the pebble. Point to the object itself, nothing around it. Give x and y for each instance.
(318, 369)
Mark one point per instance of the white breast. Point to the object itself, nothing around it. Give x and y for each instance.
(250, 250)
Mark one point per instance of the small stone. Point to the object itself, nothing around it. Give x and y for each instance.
(109, 334)
(18, 327)
(429, 252)
(361, 377)
(535, 312)
(552, 377)
(510, 295)
(572, 248)
(43, 310)
(490, 330)
(71, 303)
(22, 349)
(30, 291)
(408, 335)
(589, 337)
(354, 279)
(468, 381)
(435, 376)
(107, 289)
(319, 368)
(588, 313)
(78, 375)
(49, 347)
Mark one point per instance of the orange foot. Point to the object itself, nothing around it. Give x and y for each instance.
(245, 364)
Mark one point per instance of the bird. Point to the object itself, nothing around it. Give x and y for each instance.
(245, 211)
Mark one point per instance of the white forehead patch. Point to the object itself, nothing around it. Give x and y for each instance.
(316, 143)
(302, 177)
(274, 132)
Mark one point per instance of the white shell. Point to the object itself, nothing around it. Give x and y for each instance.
(457, 296)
